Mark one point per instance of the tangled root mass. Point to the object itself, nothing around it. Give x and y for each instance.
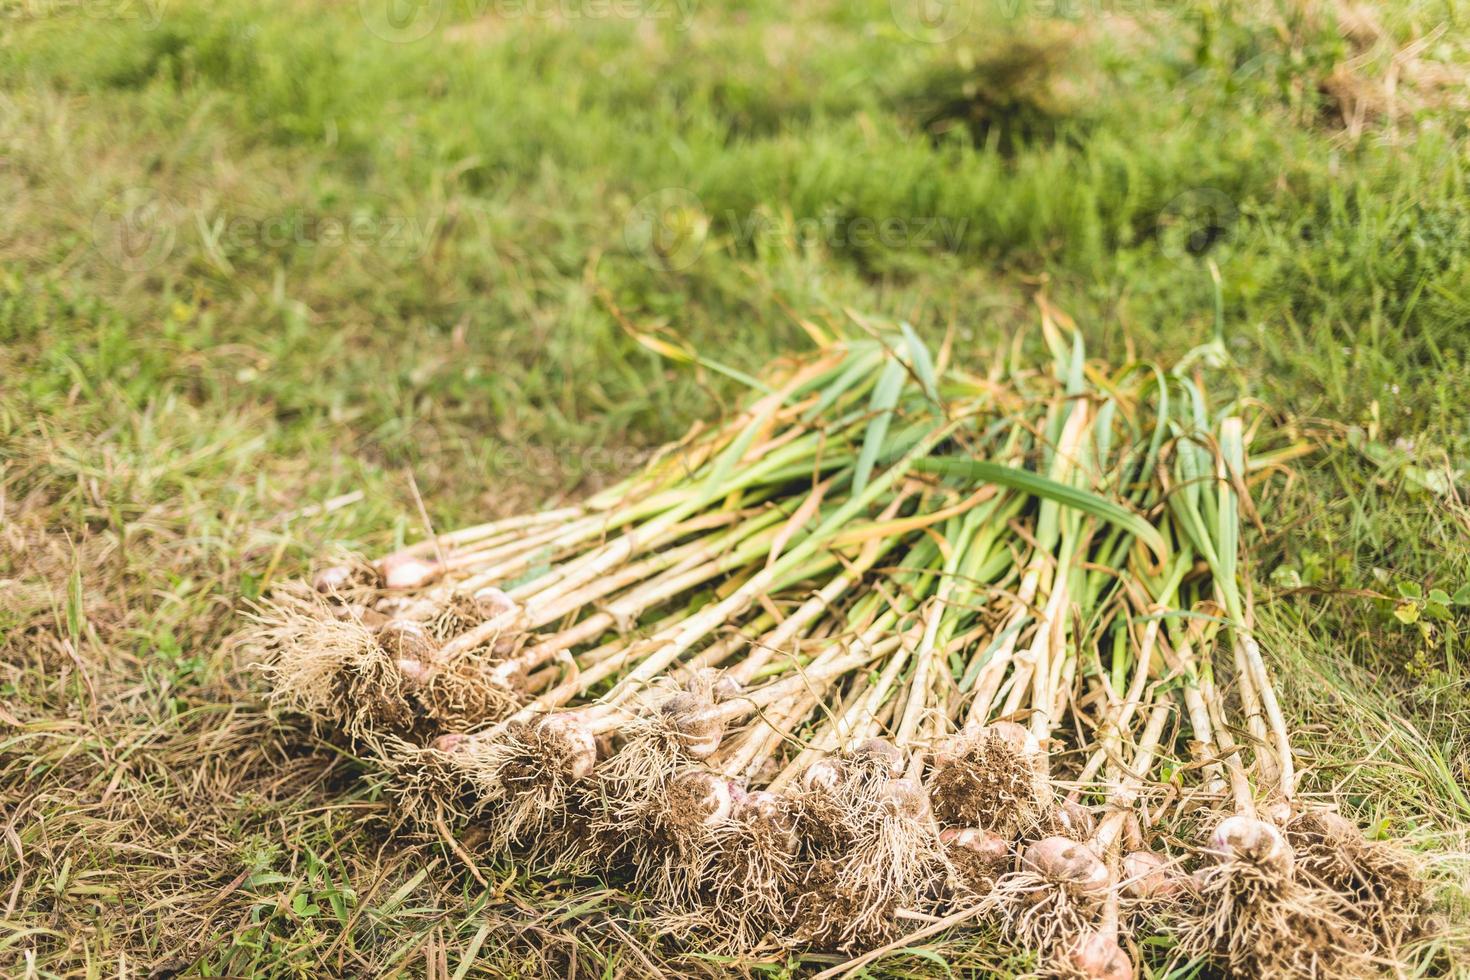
(993, 779)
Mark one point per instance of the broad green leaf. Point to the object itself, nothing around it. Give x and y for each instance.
(1049, 489)
(737, 448)
(922, 363)
(885, 396)
(860, 365)
(686, 354)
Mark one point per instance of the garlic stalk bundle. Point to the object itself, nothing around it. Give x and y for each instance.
(893, 640)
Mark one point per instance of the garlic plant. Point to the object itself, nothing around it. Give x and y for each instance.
(896, 639)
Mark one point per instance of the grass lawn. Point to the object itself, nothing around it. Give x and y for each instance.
(266, 267)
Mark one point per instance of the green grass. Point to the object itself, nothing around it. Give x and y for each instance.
(351, 260)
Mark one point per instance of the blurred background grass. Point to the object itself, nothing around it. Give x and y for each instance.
(261, 262)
